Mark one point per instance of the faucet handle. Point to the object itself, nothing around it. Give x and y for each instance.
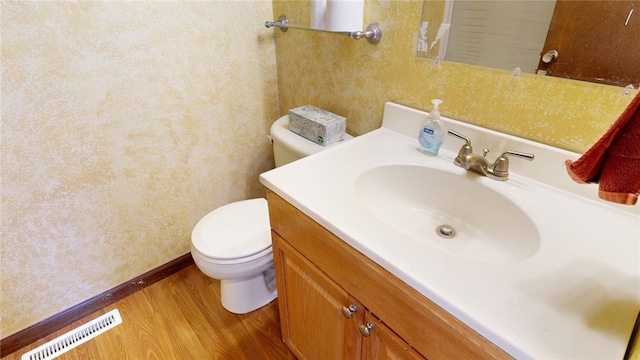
(460, 136)
(519, 154)
(465, 150)
(501, 165)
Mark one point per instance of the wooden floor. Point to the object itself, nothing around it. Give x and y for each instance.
(180, 317)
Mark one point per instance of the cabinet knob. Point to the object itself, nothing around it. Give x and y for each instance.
(365, 330)
(348, 311)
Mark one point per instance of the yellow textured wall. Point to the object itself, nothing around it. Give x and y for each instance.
(354, 79)
(123, 123)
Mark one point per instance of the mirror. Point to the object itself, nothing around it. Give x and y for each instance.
(596, 41)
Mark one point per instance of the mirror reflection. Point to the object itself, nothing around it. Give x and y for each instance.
(596, 41)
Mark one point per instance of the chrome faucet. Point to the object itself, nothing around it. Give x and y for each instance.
(499, 170)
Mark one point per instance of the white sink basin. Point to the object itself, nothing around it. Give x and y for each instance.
(417, 201)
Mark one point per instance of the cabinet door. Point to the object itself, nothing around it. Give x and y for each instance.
(314, 323)
(381, 343)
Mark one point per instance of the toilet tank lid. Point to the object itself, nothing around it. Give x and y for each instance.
(280, 132)
(233, 231)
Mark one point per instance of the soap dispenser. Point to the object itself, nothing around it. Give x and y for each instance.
(431, 134)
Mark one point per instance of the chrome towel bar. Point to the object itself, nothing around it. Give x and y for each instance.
(373, 33)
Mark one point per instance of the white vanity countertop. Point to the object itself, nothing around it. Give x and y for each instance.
(576, 297)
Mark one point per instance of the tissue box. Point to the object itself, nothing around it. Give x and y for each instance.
(320, 126)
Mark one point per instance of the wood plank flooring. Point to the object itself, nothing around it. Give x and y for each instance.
(180, 317)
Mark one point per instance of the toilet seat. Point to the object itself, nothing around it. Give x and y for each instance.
(234, 233)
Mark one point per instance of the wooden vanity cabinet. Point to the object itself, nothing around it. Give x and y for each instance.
(321, 321)
(319, 277)
(314, 325)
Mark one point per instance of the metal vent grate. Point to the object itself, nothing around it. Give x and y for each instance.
(73, 338)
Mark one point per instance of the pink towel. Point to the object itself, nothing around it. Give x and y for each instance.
(614, 161)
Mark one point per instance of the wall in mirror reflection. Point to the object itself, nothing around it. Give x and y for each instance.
(499, 34)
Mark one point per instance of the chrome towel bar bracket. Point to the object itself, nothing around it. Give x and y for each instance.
(373, 33)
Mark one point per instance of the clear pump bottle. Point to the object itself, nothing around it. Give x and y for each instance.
(431, 134)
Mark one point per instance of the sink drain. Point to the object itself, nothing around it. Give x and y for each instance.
(446, 231)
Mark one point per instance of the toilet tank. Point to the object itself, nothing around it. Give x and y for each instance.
(289, 146)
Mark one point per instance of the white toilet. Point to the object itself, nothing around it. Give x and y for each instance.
(233, 242)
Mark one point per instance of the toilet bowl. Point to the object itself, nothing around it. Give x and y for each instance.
(233, 242)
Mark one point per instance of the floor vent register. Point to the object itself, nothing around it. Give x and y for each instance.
(74, 338)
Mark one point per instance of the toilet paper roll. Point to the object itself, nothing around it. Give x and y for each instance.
(344, 15)
(318, 10)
